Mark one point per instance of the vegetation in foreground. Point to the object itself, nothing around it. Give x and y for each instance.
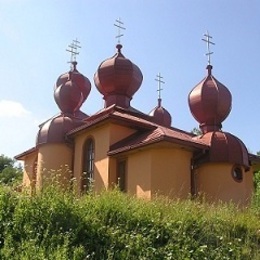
(57, 225)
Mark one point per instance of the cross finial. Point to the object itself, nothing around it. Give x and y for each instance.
(73, 49)
(160, 82)
(119, 24)
(208, 41)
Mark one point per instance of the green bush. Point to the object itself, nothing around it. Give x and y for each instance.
(10, 173)
(56, 224)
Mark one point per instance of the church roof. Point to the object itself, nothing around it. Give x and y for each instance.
(160, 134)
(148, 132)
(22, 155)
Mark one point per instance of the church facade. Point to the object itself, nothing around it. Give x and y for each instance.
(140, 153)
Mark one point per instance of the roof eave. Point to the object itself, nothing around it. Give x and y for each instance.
(22, 155)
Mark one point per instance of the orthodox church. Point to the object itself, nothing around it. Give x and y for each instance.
(143, 154)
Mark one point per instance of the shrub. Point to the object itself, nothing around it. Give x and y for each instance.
(55, 224)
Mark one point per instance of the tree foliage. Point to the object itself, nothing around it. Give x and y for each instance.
(9, 172)
(196, 131)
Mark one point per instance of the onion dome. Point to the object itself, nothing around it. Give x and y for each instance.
(210, 103)
(117, 79)
(225, 147)
(71, 90)
(160, 115)
(54, 130)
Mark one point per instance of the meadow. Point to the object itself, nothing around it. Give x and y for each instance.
(57, 224)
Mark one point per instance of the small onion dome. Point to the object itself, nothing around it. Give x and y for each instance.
(225, 147)
(160, 115)
(117, 79)
(71, 90)
(210, 103)
(55, 129)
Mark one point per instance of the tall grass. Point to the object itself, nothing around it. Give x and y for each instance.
(55, 224)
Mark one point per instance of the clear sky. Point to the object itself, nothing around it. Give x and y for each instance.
(161, 36)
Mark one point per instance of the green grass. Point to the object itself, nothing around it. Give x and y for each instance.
(56, 224)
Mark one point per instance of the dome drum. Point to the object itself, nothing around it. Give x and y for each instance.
(119, 100)
(55, 129)
(225, 147)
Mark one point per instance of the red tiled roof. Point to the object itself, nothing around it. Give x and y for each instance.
(138, 140)
(131, 117)
(148, 131)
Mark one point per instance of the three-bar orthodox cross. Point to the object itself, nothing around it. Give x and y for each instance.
(208, 41)
(119, 24)
(73, 49)
(160, 82)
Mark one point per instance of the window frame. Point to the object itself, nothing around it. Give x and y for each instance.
(121, 177)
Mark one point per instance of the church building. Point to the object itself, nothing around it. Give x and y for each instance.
(142, 154)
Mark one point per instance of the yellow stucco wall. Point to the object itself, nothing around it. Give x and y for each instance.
(215, 182)
(104, 167)
(118, 132)
(138, 179)
(171, 174)
(29, 174)
(54, 164)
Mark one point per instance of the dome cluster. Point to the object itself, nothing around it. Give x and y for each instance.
(118, 79)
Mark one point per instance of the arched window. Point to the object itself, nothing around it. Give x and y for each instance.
(88, 165)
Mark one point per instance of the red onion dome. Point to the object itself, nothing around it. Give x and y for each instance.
(54, 130)
(117, 79)
(160, 115)
(71, 90)
(210, 103)
(225, 147)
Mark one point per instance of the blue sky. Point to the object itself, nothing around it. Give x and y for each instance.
(161, 36)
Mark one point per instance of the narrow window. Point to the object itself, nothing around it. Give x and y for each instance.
(121, 175)
(88, 165)
(237, 174)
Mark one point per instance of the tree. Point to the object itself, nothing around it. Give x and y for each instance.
(9, 172)
(196, 131)
(5, 162)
